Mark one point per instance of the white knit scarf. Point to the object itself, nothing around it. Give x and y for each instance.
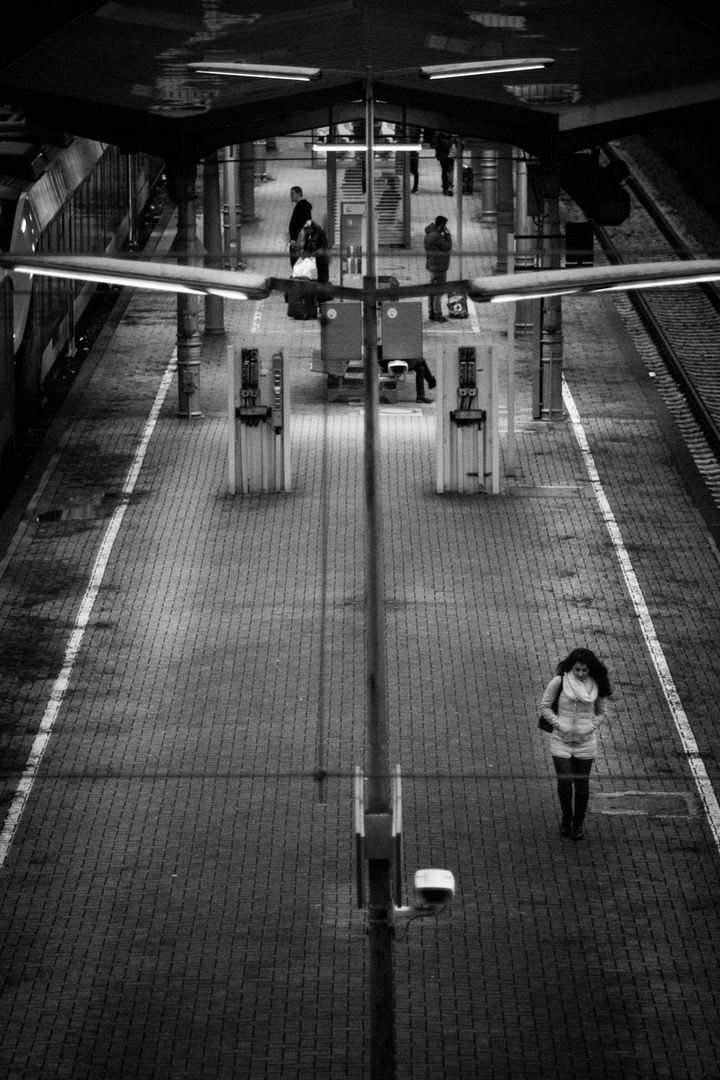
(580, 691)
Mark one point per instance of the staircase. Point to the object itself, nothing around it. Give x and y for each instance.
(388, 196)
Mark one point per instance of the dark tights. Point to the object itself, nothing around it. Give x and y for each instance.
(573, 772)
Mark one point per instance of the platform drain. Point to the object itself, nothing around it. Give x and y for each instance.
(645, 803)
(545, 491)
(99, 506)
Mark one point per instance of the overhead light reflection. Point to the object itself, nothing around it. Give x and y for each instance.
(512, 298)
(196, 281)
(108, 279)
(665, 282)
(535, 285)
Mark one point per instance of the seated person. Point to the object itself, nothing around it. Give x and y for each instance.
(422, 375)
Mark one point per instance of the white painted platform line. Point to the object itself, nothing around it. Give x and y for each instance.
(32, 765)
(472, 312)
(257, 317)
(690, 746)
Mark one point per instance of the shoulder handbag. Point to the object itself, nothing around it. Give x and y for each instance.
(544, 724)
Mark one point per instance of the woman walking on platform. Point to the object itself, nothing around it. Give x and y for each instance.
(574, 704)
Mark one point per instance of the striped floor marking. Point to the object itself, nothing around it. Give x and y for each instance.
(57, 695)
(257, 317)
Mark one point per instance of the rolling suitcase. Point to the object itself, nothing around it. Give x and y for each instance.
(303, 309)
(301, 305)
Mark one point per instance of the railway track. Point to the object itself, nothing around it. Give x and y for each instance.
(676, 331)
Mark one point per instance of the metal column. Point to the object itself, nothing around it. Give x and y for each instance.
(182, 176)
(524, 244)
(549, 403)
(246, 169)
(488, 184)
(505, 205)
(212, 236)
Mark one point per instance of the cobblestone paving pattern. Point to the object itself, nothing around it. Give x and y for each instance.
(178, 902)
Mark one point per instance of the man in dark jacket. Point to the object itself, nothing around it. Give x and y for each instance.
(445, 154)
(302, 212)
(438, 245)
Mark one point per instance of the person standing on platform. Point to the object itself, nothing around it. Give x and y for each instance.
(414, 135)
(302, 212)
(438, 245)
(415, 170)
(313, 241)
(574, 704)
(445, 152)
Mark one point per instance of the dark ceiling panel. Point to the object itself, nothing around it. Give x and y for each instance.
(118, 72)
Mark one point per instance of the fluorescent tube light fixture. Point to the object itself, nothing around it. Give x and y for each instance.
(160, 277)
(352, 148)
(485, 67)
(256, 71)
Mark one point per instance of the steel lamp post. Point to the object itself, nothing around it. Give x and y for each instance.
(378, 810)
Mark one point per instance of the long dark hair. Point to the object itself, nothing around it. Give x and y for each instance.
(596, 668)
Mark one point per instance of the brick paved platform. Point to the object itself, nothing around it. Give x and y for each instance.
(178, 896)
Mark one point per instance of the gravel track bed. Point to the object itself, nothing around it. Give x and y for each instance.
(688, 197)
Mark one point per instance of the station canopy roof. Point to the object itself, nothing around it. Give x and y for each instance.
(118, 71)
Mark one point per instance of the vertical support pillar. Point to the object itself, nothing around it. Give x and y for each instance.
(406, 192)
(182, 176)
(132, 202)
(524, 245)
(551, 404)
(69, 291)
(505, 205)
(232, 232)
(488, 184)
(246, 169)
(491, 429)
(537, 370)
(259, 161)
(510, 451)
(380, 930)
(332, 201)
(472, 150)
(212, 236)
(459, 206)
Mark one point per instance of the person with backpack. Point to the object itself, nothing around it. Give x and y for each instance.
(438, 245)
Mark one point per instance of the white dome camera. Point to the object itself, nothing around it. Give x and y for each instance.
(434, 888)
(397, 367)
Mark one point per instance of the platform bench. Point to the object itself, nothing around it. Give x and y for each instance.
(345, 379)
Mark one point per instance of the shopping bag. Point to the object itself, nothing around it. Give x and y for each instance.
(305, 268)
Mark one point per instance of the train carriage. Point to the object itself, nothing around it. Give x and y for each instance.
(57, 194)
